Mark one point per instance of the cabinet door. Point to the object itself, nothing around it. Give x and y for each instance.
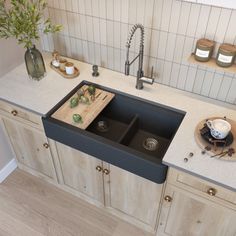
(184, 214)
(31, 147)
(80, 172)
(133, 196)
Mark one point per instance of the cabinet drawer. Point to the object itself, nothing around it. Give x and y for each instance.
(19, 113)
(200, 186)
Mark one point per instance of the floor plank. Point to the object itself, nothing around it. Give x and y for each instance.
(30, 206)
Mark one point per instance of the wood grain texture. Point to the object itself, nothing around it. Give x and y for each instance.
(30, 206)
(188, 214)
(130, 195)
(79, 172)
(63, 73)
(88, 112)
(28, 145)
(22, 115)
(212, 64)
(200, 187)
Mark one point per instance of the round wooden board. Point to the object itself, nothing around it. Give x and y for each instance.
(203, 143)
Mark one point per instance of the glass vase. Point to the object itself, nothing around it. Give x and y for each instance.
(34, 63)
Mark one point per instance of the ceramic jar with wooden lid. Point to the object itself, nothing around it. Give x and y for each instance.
(204, 49)
(226, 55)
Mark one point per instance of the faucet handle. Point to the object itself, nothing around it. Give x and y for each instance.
(148, 80)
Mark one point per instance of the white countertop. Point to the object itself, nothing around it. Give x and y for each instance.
(40, 97)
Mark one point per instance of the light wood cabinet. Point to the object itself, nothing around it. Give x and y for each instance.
(81, 172)
(30, 146)
(184, 213)
(134, 196)
(128, 196)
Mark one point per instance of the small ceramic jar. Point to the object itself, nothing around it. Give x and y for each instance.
(62, 64)
(204, 49)
(226, 55)
(70, 69)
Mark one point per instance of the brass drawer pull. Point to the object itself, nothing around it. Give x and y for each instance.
(211, 191)
(14, 112)
(168, 198)
(46, 145)
(106, 171)
(99, 168)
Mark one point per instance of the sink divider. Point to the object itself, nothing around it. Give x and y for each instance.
(130, 131)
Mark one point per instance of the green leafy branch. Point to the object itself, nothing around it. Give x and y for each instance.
(22, 19)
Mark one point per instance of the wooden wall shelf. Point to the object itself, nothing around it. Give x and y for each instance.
(212, 64)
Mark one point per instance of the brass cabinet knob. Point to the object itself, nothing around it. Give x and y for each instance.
(99, 168)
(46, 145)
(168, 198)
(106, 171)
(14, 112)
(211, 191)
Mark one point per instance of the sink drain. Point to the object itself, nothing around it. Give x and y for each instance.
(102, 126)
(150, 144)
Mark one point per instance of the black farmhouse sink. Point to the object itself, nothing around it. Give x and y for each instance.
(131, 133)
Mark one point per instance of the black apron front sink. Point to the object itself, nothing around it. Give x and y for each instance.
(131, 133)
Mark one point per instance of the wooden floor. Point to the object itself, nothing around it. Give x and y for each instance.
(31, 207)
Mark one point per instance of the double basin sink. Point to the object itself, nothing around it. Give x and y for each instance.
(131, 133)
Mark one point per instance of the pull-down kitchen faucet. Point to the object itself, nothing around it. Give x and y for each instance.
(140, 74)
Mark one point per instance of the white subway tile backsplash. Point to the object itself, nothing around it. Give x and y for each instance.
(213, 22)
(192, 71)
(95, 7)
(103, 31)
(184, 18)
(222, 25)
(117, 35)
(174, 75)
(162, 45)
(96, 31)
(224, 88)
(148, 14)
(182, 77)
(193, 19)
(81, 6)
(117, 10)
(166, 11)
(215, 87)
(140, 14)
(199, 81)
(83, 27)
(170, 46)
(88, 7)
(124, 11)
(89, 27)
(203, 21)
(110, 9)
(230, 33)
(102, 9)
(175, 16)
(132, 11)
(157, 14)
(110, 33)
(207, 83)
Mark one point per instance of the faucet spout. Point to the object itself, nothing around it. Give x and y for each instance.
(140, 74)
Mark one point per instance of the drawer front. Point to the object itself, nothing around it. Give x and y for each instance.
(19, 113)
(205, 188)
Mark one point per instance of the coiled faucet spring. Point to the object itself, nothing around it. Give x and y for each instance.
(131, 34)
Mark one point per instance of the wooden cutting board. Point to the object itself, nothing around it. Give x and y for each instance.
(88, 111)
